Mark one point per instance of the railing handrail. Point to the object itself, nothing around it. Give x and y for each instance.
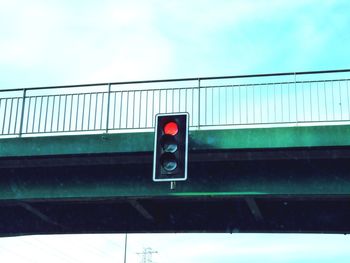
(181, 80)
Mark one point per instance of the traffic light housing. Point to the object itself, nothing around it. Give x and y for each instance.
(170, 147)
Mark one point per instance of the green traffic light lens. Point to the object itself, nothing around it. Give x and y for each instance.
(168, 162)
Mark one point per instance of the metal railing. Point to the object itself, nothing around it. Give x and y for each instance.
(212, 102)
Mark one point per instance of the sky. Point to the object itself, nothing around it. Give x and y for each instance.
(48, 42)
(173, 248)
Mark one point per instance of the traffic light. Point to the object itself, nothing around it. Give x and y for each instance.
(170, 147)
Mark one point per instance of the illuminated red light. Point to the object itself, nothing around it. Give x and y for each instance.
(171, 128)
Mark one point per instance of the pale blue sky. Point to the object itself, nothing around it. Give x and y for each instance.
(64, 42)
(48, 42)
(174, 248)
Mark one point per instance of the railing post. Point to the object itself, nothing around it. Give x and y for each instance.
(22, 113)
(108, 105)
(199, 103)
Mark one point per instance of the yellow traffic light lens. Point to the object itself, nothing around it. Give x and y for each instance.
(168, 143)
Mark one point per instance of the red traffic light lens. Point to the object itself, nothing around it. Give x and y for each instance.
(171, 128)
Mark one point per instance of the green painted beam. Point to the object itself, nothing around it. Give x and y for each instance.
(216, 178)
(245, 178)
(257, 138)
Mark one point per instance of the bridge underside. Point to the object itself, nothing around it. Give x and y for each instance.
(222, 195)
(269, 189)
(175, 215)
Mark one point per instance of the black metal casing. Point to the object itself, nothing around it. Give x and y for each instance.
(181, 154)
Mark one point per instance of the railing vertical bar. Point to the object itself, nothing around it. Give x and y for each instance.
(296, 101)
(71, 112)
(77, 113)
(246, 105)
(318, 102)
(96, 102)
(140, 105)
(261, 107)
(5, 113)
(5, 110)
(192, 109)
(233, 104)
(166, 101)
(64, 113)
(134, 109)
(115, 109)
(226, 102)
(347, 93)
(102, 102)
(333, 99)
(121, 110)
(17, 107)
(303, 93)
(0, 110)
(83, 114)
(282, 93)
(46, 112)
(89, 114)
(219, 105)
(30, 101)
(172, 100)
(212, 106)
(206, 106)
(274, 102)
(34, 113)
(127, 110)
(40, 111)
(325, 99)
(53, 110)
(310, 101)
(108, 106)
(253, 88)
(146, 110)
(22, 113)
(186, 100)
(59, 113)
(340, 102)
(239, 103)
(179, 105)
(8, 130)
(160, 100)
(289, 108)
(199, 103)
(153, 109)
(267, 104)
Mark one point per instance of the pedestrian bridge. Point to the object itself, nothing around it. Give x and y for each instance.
(268, 153)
